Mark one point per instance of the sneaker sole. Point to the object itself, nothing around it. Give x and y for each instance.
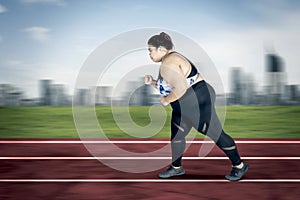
(179, 174)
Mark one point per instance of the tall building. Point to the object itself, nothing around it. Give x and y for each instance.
(10, 95)
(45, 92)
(58, 95)
(242, 88)
(236, 85)
(82, 97)
(140, 95)
(53, 94)
(134, 93)
(275, 79)
(249, 96)
(103, 95)
(291, 95)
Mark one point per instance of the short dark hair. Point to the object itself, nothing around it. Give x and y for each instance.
(162, 39)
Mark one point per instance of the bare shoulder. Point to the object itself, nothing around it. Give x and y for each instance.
(173, 59)
(177, 62)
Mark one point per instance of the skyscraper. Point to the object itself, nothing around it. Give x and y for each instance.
(10, 95)
(45, 92)
(242, 87)
(275, 79)
(82, 97)
(103, 95)
(58, 96)
(236, 85)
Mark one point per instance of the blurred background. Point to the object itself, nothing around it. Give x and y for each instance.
(243, 90)
(254, 45)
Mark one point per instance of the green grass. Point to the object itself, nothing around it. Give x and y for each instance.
(36, 122)
(57, 122)
(263, 121)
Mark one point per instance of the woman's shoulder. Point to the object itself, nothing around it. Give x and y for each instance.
(174, 57)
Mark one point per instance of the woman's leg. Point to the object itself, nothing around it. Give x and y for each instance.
(228, 146)
(180, 127)
(223, 140)
(211, 126)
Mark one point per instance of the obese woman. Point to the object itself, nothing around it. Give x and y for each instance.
(192, 101)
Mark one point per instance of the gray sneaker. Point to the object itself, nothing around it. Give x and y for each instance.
(171, 171)
(236, 174)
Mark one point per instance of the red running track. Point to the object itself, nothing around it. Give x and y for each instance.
(49, 171)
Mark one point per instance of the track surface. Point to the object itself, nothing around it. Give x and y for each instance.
(64, 169)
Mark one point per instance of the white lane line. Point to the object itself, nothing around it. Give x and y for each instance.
(146, 180)
(139, 158)
(138, 142)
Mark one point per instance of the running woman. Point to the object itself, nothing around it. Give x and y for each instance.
(183, 87)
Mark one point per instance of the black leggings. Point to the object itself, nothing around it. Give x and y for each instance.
(196, 109)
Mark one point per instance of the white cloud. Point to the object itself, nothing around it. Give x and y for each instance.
(2, 9)
(38, 33)
(55, 2)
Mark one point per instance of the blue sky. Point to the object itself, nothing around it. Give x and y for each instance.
(52, 38)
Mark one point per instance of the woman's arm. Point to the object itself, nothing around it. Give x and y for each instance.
(172, 73)
(150, 81)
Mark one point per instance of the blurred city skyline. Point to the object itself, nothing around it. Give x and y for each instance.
(243, 91)
(51, 39)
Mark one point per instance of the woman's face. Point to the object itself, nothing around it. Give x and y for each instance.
(155, 53)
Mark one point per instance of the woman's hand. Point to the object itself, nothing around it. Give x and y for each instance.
(164, 101)
(148, 79)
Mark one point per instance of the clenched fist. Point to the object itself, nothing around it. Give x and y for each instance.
(148, 79)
